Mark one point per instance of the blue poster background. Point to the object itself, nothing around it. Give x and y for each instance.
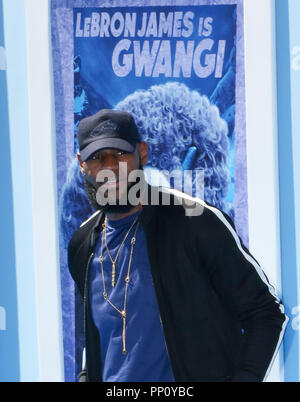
(98, 85)
(97, 51)
(189, 121)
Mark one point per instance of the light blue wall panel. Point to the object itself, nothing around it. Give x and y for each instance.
(14, 13)
(9, 344)
(287, 29)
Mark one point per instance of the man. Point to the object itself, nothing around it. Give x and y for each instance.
(170, 293)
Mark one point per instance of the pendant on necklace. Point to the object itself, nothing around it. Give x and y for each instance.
(113, 275)
(123, 314)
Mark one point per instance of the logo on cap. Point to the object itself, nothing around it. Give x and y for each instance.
(108, 125)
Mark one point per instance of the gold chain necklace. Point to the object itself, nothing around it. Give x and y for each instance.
(113, 261)
(123, 312)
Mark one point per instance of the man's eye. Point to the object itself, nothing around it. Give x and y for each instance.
(95, 157)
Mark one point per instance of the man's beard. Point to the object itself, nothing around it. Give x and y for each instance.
(91, 192)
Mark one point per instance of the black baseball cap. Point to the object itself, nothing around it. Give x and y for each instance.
(107, 129)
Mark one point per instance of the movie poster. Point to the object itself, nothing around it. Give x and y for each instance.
(178, 68)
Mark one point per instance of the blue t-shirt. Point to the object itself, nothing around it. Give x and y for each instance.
(146, 359)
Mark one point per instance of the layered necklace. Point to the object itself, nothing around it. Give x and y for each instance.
(122, 312)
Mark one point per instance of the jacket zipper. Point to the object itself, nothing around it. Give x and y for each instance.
(85, 301)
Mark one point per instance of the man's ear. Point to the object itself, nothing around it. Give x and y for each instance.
(81, 164)
(143, 150)
(80, 160)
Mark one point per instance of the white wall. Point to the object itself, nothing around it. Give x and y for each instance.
(32, 134)
(44, 200)
(262, 152)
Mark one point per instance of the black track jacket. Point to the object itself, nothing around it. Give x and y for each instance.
(221, 318)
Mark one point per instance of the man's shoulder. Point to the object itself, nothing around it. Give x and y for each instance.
(90, 221)
(82, 235)
(179, 203)
(198, 213)
(85, 227)
(180, 198)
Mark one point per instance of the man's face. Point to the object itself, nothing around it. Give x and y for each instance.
(119, 164)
